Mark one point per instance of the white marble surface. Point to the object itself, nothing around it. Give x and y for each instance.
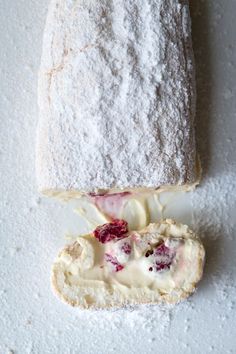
(32, 320)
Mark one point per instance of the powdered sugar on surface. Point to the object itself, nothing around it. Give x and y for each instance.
(32, 320)
(116, 96)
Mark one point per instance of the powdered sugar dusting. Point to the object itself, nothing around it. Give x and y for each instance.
(32, 229)
(116, 96)
(145, 317)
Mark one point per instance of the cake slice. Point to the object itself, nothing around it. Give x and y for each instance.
(113, 267)
(116, 97)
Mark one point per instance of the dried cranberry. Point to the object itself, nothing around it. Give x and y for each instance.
(93, 194)
(110, 231)
(149, 253)
(126, 248)
(113, 260)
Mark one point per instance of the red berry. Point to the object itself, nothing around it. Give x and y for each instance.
(163, 257)
(113, 260)
(162, 250)
(126, 248)
(111, 231)
(110, 204)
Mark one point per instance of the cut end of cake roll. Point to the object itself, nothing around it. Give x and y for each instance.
(114, 268)
(116, 100)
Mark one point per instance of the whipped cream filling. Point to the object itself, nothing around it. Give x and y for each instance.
(162, 257)
(67, 195)
(138, 209)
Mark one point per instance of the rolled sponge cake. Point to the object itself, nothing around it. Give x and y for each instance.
(116, 97)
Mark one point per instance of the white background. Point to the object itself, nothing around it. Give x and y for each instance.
(32, 320)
